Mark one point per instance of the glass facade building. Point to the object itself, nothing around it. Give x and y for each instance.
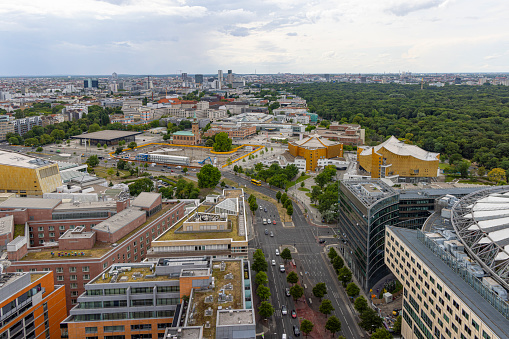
(365, 208)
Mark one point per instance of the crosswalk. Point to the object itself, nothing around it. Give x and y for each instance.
(277, 313)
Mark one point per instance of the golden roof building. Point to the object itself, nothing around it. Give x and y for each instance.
(314, 149)
(395, 159)
(26, 175)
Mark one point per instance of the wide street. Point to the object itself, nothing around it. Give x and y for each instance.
(312, 265)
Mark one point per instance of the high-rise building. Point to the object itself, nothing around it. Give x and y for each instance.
(220, 78)
(365, 208)
(229, 77)
(114, 75)
(32, 305)
(184, 76)
(91, 83)
(198, 78)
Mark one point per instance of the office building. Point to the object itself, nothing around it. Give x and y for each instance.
(91, 83)
(219, 79)
(198, 78)
(32, 305)
(6, 127)
(27, 175)
(78, 241)
(229, 77)
(365, 208)
(398, 161)
(217, 227)
(444, 292)
(313, 148)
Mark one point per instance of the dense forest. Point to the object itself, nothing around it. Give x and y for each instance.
(469, 122)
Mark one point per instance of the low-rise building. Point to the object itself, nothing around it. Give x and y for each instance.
(314, 148)
(234, 132)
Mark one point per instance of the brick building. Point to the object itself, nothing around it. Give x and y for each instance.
(236, 133)
(186, 137)
(88, 246)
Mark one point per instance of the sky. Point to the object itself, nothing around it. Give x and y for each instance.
(87, 37)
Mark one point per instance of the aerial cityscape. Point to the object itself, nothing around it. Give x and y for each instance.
(213, 170)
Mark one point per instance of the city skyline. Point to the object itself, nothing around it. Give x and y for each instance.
(54, 37)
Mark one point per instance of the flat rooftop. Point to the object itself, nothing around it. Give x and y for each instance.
(145, 199)
(37, 203)
(129, 274)
(235, 317)
(487, 313)
(77, 233)
(22, 160)
(119, 220)
(6, 224)
(368, 192)
(106, 135)
(93, 205)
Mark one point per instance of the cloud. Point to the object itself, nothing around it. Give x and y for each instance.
(409, 6)
(292, 34)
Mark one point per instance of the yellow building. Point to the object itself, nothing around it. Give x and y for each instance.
(26, 175)
(395, 159)
(314, 150)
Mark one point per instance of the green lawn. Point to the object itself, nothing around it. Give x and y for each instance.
(303, 189)
(19, 230)
(299, 179)
(308, 194)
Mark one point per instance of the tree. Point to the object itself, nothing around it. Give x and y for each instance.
(222, 142)
(370, 320)
(381, 333)
(208, 176)
(94, 128)
(326, 307)
(263, 292)
(352, 289)
(222, 184)
(302, 184)
(141, 185)
(306, 326)
(284, 197)
(278, 196)
(261, 278)
(185, 170)
(292, 278)
(296, 291)
(286, 254)
(397, 325)
(497, 175)
(253, 206)
(315, 193)
(289, 210)
(265, 309)
(332, 254)
(333, 325)
(259, 263)
(93, 160)
(481, 171)
(98, 145)
(39, 149)
(110, 171)
(463, 167)
(338, 263)
(209, 142)
(132, 145)
(360, 304)
(119, 150)
(319, 290)
(344, 275)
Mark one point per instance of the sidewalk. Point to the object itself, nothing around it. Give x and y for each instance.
(311, 213)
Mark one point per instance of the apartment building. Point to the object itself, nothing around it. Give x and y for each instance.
(21, 126)
(32, 306)
(437, 301)
(234, 132)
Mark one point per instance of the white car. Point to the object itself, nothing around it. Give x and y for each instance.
(277, 251)
(268, 221)
(273, 262)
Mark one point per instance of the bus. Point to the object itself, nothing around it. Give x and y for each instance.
(256, 182)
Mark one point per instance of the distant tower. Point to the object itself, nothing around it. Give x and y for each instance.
(114, 75)
(229, 77)
(184, 76)
(198, 78)
(327, 77)
(220, 77)
(196, 130)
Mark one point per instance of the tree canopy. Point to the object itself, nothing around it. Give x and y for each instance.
(222, 142)
(208, 176)
(141, 185)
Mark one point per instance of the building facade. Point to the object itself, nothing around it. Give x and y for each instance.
(314, 148)
(186, 137)
(437, 302)
(365, 208)
(32, 305)
(394, 159)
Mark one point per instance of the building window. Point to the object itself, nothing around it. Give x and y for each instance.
(51, 228)
(61, 227)
(72, 269)
(74, 301)
(86, 276)
(74, 285)
(60, 278)
(60, 269)
(74, 277)
(118, 328)
(40, 229)
(41, 235)
(90, 329)
(85, 269)
(52, 234)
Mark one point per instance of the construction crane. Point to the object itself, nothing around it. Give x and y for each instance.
(202, 162)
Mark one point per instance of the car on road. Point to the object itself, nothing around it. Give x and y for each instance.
(287, 291)
(264, 221)
(296, 331)
(273, 262)
(271, 233)
(282, 268)
(268, 221)
(277, 251)
(321, 241)
(294, 314)
(284, 310)
(266, 231)
(261, 208)
(265, 210)
(273, 222)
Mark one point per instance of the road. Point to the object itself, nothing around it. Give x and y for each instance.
(312, 263)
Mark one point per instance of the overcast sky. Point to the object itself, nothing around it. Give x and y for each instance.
(57, 37)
